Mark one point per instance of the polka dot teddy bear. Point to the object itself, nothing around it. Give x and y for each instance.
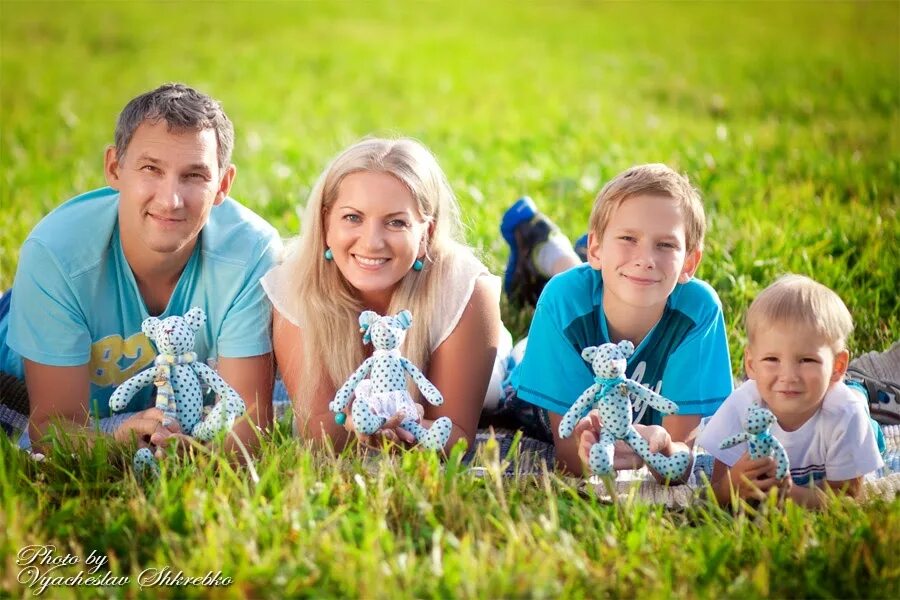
(379, 384)
(760, 440)
(614, 395)
(178, 376)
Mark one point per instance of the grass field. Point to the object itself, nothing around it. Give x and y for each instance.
(786, 116)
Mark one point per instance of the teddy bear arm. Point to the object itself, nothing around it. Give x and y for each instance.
(647, 396)
(126, 390)
(576, 412)
(427, 388)
(342, 397)
(734, 440)
(227, 395)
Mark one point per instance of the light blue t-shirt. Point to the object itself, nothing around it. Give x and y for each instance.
(75, 299)
(684, 357)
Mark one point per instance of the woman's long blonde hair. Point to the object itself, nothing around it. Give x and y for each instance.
(326, 304)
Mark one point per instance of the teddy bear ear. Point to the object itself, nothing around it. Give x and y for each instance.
(149, 327)
(626, 348)
(403, 319)
(589, 353)
(195, 318)
(367, 317)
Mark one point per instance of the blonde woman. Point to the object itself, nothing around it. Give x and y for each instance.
(381, 231)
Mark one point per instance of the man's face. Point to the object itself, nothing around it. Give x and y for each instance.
(168, 181)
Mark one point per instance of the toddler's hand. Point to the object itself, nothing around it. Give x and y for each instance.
(753, 478)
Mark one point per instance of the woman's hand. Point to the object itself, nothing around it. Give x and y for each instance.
(390, 432)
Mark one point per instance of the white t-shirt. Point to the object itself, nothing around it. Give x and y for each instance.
(455, 290)
(836, 444)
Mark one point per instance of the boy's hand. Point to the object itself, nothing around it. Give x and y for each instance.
(587, 432)
(753, 478)
(657, 437)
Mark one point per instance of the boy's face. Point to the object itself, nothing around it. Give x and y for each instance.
(642, 254)
(793, 367)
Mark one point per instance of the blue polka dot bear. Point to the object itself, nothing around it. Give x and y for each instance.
(178, 376)
(613, 394)
(760, 440)
(379, 384)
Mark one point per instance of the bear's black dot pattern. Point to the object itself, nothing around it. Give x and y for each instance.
(759, 442)
(387, 372)
(174, 339)
(609, 362)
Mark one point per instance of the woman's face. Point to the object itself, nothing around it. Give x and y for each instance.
(375, 234)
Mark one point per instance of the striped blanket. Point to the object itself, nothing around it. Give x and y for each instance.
(530, 455)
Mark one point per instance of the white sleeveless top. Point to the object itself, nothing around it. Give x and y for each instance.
(456, 289)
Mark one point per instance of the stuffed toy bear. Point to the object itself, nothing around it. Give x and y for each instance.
(760, 440)
(614, 395)
(379, 384)
(178, 376)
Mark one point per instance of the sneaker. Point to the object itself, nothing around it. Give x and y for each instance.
(879, 374)
(580, 247)
(524, 229)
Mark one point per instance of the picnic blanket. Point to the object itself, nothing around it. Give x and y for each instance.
(530, 455)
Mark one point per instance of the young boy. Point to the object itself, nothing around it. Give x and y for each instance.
(796, 359)
(644, 245)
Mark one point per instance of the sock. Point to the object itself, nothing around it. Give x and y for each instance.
(547, 255)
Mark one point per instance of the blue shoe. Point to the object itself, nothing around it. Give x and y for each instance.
(581, 247)
(524, 228)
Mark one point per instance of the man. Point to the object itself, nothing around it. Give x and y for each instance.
(162, 238)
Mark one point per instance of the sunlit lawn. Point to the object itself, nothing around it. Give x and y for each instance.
(786, 116)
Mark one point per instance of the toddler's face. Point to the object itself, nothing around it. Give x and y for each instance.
(793, 367)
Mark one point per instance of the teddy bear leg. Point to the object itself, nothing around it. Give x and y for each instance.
(145, 466)
(600, 458)
(436, 437)
(364, 420)
(670, 467)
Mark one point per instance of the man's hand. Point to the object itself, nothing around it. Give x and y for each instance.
(151, 428)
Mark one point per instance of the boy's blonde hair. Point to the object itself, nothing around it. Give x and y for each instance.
(652, 180)
(324, 300)
(798, 300)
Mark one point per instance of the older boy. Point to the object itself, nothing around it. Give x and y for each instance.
(644, 245)
(796, 358)
(164, 237)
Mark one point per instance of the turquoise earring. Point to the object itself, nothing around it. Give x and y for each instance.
(329, 255)
(418, 265)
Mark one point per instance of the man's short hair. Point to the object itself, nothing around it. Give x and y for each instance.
(652, 180)
(183, 109)
(798, 300)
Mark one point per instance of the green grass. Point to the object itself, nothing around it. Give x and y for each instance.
(786, 116)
